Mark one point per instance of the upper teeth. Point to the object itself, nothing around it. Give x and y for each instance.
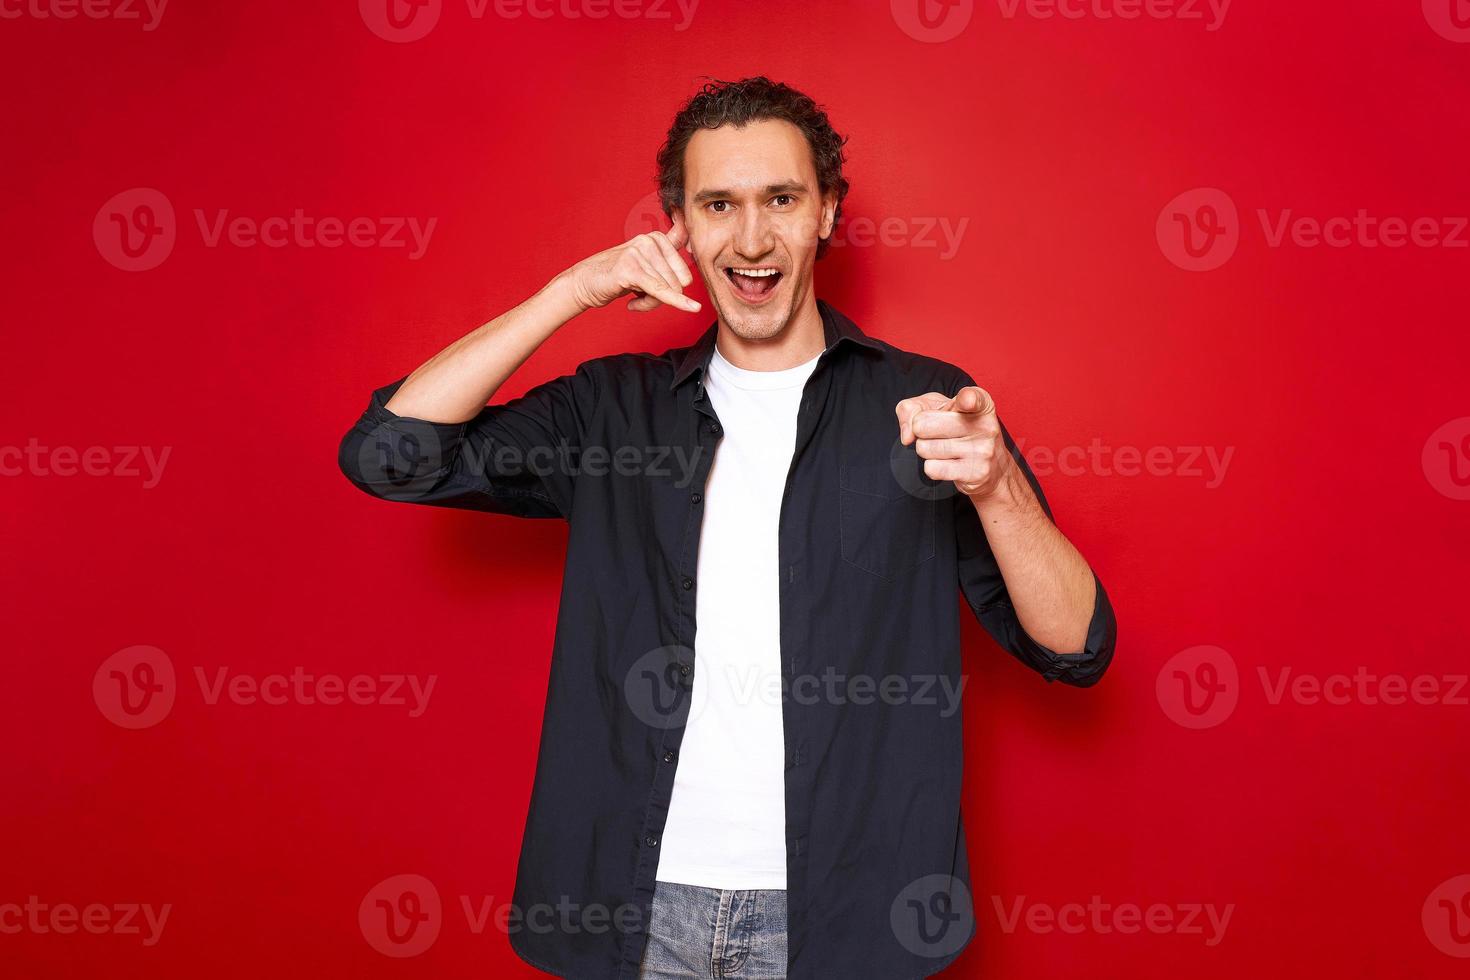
(754, 272)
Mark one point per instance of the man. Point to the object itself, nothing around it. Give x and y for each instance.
(777, 791)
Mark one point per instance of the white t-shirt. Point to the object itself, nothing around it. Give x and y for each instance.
(727, 817)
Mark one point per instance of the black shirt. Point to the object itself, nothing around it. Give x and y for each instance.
(871, 552)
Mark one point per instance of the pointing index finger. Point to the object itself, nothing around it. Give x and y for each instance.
(975, 400)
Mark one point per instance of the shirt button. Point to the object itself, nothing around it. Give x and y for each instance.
(714, 428)
(688, 584)
(696, 496)
(685, 669)
(651, 841)
(668, 757)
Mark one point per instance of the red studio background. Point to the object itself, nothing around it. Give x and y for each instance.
(1209, 259)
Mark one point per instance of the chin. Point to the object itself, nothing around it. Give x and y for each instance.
(758, 326)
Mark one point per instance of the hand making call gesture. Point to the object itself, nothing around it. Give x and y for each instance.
(649, 266)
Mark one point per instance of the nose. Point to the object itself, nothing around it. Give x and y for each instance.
(753, 234)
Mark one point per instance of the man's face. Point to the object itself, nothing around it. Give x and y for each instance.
(754, 216)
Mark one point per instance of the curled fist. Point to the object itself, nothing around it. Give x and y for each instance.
(957, 438)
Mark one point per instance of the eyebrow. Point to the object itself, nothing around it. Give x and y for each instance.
(784, 187)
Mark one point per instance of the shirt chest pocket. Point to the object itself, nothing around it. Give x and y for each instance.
(885, 529)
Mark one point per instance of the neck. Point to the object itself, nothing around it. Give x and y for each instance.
(802, 339)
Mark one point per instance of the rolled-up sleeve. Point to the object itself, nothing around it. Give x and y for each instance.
(985, 591)
(516, 458)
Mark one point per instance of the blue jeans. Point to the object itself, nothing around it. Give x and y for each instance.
(715, 932)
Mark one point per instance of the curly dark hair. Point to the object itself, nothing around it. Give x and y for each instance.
(720, 103)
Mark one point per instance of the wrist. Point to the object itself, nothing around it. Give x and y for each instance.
(1008, 493)
(564, 295)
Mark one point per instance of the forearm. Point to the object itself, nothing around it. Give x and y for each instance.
(1050, 584)
(455, 384)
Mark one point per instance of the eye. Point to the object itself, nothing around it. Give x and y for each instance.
(715, 205)
(783, 197)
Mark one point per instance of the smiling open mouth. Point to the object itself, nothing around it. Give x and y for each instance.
(753, 285)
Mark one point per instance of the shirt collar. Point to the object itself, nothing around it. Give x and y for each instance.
(835, 329)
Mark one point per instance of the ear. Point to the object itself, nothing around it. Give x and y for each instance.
(680, 231)
(829, 215)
